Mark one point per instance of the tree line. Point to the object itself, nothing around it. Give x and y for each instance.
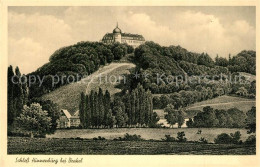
(17, 94)
(24, 114)
(135, 108)
(231, 118)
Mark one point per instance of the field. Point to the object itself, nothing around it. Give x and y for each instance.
(224, 102)
(147, 133)
(68, 96)
(18, 145)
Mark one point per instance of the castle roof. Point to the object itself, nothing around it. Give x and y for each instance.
(117, 30)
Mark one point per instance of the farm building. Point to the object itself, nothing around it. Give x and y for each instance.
(67, 120)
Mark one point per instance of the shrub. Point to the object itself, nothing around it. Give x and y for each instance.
(134, 137)
(99, 138)
(168, 138)
(235, 137)
(128, 137)
(181, 137)
(251, 140)
(203, 140)
(223, 138)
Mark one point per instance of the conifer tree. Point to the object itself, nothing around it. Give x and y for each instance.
(82, 106)
(101, 107)
(88, 112)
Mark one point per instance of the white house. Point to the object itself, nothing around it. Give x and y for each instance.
(66, 120)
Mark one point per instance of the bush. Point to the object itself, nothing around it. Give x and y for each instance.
(251, 140)
(235, 137)
(224, 138)
(168, 138)
(128, 137)
(203, 140)
(99, 138)
(181, 137)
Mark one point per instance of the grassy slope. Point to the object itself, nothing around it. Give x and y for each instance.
(222, 102)
(225, 102)
(17, 145)
(67, 97)
(249, 77)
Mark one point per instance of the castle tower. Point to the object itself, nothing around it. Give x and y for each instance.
(117, 34)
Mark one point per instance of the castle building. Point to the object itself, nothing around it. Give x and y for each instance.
(118, 36)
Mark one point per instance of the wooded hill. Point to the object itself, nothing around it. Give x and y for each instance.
(152, 59)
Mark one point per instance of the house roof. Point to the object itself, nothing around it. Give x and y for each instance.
(75, 115)
(66, 112)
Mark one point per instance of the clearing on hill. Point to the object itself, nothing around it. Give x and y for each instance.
(225, 102)
(107, 77)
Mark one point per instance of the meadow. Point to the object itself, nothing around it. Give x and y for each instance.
(225, 102)
(68, 96)
(147, 133)
(19, 145)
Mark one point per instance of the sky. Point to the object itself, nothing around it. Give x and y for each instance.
(34, 33)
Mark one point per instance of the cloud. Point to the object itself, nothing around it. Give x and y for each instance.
(193, 30)
(45, 34)
(27, 54)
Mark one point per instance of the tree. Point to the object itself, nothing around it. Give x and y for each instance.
(219, 92)
(189, 123)
(242, 91)
(119, 51)
(181, 137)
(223, 138)
(171, 116)
(251, 120)
(82, 107)
(220, 61)
(17, 93)
(180, 118)
(120, 121)
(92, 107)
(235, 137)
(133, 105)
(107, 101)
(35, 120)
(52, 110)
(10, 86)
(87, 112)
(110, 121)
(237, 116)
(205, 59)
(101, 107)
(154, 120)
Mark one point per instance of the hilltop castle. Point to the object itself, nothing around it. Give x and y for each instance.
(118, 36)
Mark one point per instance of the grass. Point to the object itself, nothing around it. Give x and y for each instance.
(68, 96)
(148, 133)
(19, 145)
(224, 102)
